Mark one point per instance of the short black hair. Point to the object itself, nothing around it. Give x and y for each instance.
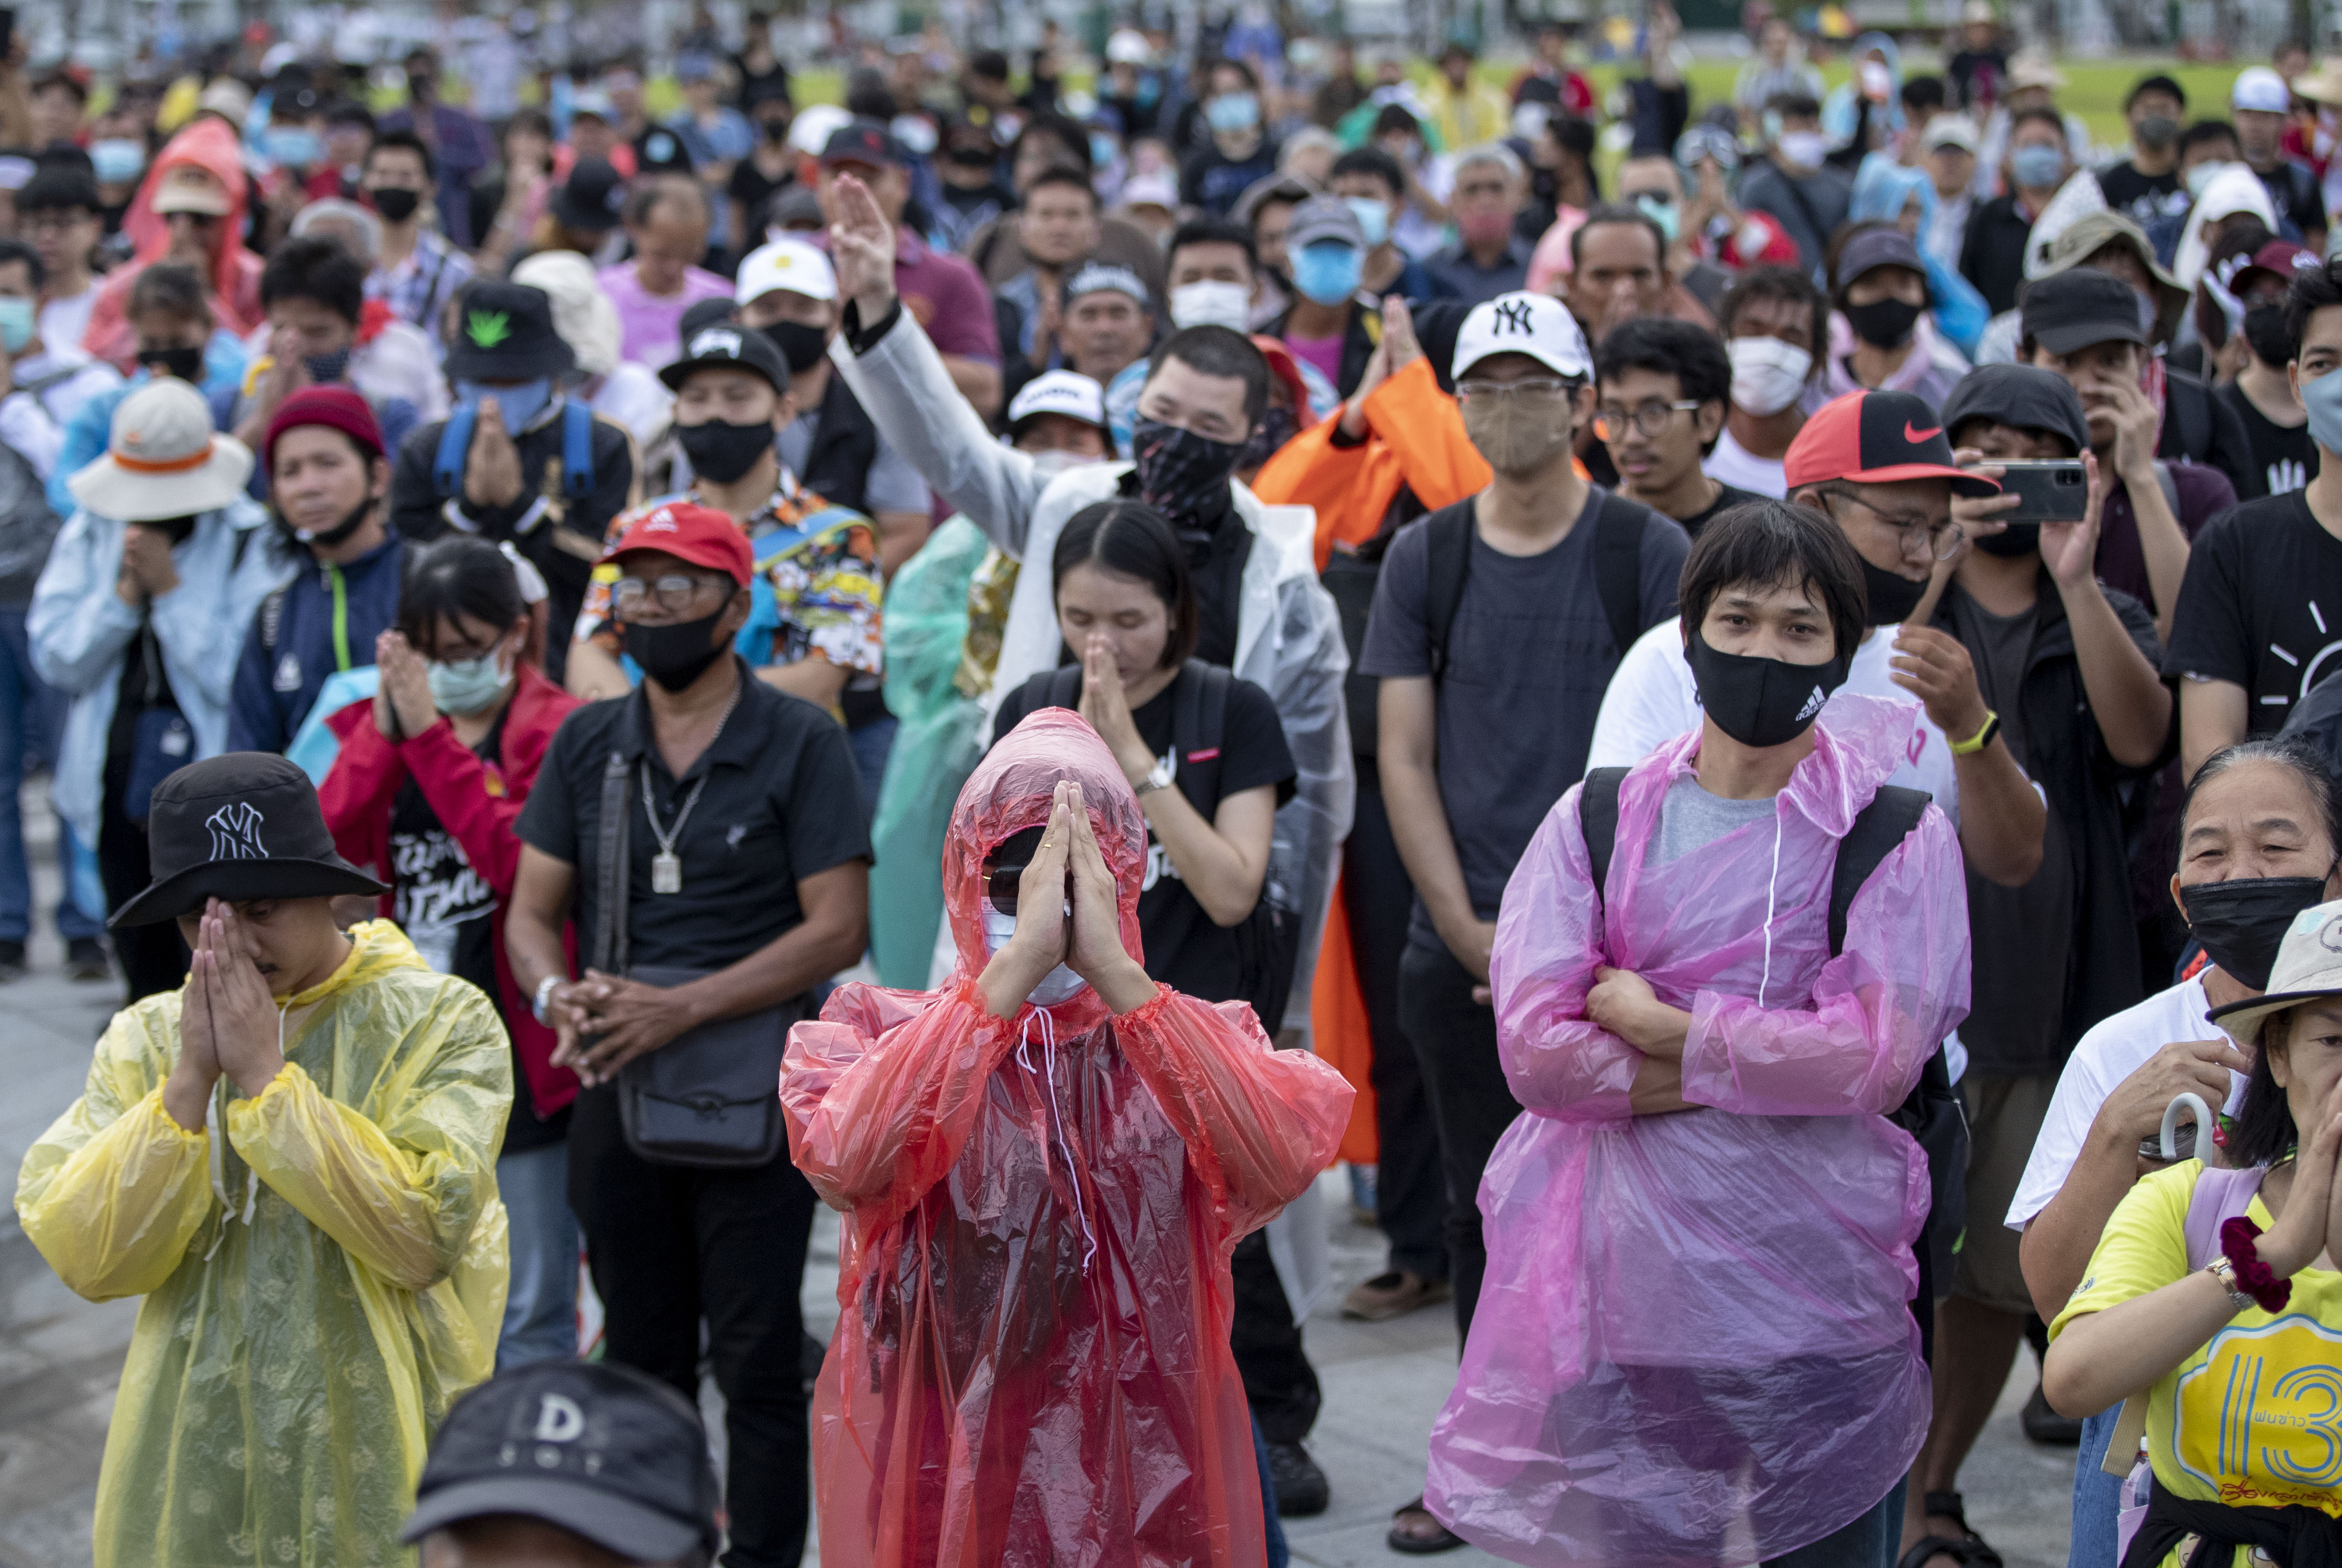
(1781, 283)
(1370, 160)
(19, 250)
(350, 112)
(57, 188)
(527, 118)
(460, 575)
(1924, 94)
(868, 97)
(1694, 356)
(1794, 105)
(1134, 539)
(1063, 174)
(1608, 213)
(2204, 132)
(171, 286)
(2313, 290)
(1395, 117)
(1241, 67)
(2044, 115)
(412, 143)
(1066, 131)
(314, 268)
(992, 64)
(2155, 83)
(60, 78)
(1773, 544)
(1219, 351)
(1212, 232)
(647, 194)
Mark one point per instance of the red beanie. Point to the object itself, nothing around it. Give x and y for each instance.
(338, 406)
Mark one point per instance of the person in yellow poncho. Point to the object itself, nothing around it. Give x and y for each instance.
(293, 1159)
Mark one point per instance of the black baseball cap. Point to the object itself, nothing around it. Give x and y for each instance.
(659, 151)
(240, 826)
(2073, 309)
(601, 1451)
(864, 142)
(1879, 247)
(506, 334)
(592, 199)
(732, 346)
(2021, 397)
(1876, 438)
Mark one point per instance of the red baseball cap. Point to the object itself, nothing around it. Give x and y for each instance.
(339, 406)
(2281, 257)
(1876, 438)
(699, 534)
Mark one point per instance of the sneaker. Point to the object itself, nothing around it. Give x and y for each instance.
(1393, 1295)
(1301, 1489)
(2045, 1425)
(12, 961)
(85, 959)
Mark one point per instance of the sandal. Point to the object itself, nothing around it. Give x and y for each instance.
(1968, 1549)
(1415, 1546)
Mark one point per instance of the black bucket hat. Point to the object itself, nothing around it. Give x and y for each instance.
(236, 827)
(506, 334)
(592, 199)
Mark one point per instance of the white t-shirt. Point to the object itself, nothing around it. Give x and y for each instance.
(2111, 1052)
(1733, 465)
(66, 319)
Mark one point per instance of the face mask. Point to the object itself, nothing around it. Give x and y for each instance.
(724, 451)
(16, 319)
(1047, 465)
(2037, 167)
(395, 203)
(1053, 987)
(1514, 438)
(966, 157)
(1884, 323)
(187, 364)
(2157, 132)
(1181, 475)
(467, 685)
(674, 655)
(1232, 112)
(520, 403)
(324, 538)
(778, 131)
(1759, 701)
(1211, 303)
(325, 369)
(1662, 212)
(291, 147)
(801, 345)
(1373, 217)
(916, 131)
(2199, 179)
(1485, 226)
(1103, 151)
(2017, 539)
(1892, 598)
(118, 160)
(2265, 329)
(1327, 274)
(1802, 149)
(1767, 375)
(2241, 923)
(2322, 399)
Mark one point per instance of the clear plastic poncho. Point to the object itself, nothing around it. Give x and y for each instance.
(323, 1266)
(1693, 1345)
(1031, 1362)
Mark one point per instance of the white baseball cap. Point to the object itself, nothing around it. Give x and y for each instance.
(790, 265)
(2260, 90)
(1128, 46)
(1950, 131)
(1060, 391)
(1536, 325)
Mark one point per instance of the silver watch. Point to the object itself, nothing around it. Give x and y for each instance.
(544, 995)
(2222, 1270)
(1160, 778)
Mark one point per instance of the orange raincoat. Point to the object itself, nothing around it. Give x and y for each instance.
(210, 145)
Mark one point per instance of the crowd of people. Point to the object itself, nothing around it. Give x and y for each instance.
(1142, 617)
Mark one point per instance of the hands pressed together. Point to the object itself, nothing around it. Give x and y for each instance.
(402, 707)
(228, 1023)
(1067, 868)
(2312, 1216)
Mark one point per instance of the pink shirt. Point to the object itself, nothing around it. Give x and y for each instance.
(1324, 352)
(649, 324)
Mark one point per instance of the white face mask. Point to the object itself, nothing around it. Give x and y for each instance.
(1802, 149)
(1055, 986)
(2200, 177)
(1211, 303)
(1047, 465)
(1767, 375)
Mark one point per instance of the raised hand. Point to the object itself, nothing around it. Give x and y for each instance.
(2304, 1229)
(405, 685)
(1399, 341)
(1098, 953)
(1933, 667)
(1107, 710)
(245, 1018)
(492, 469)
(1038, 943)
(861, 246)
(2071, 550)
(187, 1093)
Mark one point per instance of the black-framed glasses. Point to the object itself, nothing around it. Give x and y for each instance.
(1651, 418)
(1942, 540)
(674, 593)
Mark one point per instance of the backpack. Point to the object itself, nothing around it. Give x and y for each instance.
(1617, 570)
(576, 451)
(1932, 1113)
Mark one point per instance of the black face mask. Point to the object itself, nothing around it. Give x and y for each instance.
(973, 157)
(2241, 923)
(674, 655)
(774, 130)
(724, 451)
(394, 203)
(801, 345)
(1892, 598)
(2265, 329)
(187, 364)
(324, 538)
(326, 369)
(1760, 702)
(1181, 475)
(1883, 322)
(2017, 539)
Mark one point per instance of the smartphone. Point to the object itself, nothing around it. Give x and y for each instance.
(2052, 491)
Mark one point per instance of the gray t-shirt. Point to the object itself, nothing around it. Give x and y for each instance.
(1691, 819)
(1528, 656)
(894, 484)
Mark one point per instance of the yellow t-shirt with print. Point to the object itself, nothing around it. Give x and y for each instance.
(2253, 1419)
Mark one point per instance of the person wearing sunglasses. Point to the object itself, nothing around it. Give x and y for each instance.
(1661, 388)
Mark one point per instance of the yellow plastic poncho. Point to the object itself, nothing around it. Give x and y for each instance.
(323, 1267)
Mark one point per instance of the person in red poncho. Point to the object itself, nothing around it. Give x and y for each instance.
(190, 209)
(1044, 1167)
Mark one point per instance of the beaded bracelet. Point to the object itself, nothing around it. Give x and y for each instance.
(2254, 1277)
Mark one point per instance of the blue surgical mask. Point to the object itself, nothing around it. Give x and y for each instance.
(466, 685)
(292, 146)
(2323, 399)
(1662, 212)
(2038, 166)
(118, 160)
(1374, 217)
(16, 318)
(1328, 271)
(1103, 150)
(1232, 112)
(520, 403)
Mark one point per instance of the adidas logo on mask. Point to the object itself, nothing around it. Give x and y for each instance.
(1813, 706)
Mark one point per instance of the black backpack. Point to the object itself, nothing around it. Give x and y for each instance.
(1932, 1113)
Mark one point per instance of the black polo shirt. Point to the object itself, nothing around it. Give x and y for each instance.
(782, 801)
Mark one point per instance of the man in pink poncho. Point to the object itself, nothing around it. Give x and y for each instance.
(1694, 1346)
(1044, 1167)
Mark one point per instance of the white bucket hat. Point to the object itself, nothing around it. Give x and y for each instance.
(163, 459)
(581, 313)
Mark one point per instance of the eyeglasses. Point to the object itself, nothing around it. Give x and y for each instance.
(199, 220)
(51, 223)
(1533, 389)
(1940, 540)
(672, 594)
(1651, 418)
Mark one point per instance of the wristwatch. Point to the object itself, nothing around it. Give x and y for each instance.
(2222, 1270)
(544, 995)
(1160, 778)
(1981, 739)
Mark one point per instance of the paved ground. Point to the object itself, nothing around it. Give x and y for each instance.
(1384, 1383)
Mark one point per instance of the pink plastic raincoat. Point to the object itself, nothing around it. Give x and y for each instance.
(1031, 1362)
(1693, 1346)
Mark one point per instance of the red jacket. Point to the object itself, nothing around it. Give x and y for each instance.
(479, 805)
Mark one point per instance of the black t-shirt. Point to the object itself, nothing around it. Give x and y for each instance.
(1726, 497)
(2145, 199)
(2261, 606)
(750, 186)
(2284, 459)
(1184, 950)
(2292, 189)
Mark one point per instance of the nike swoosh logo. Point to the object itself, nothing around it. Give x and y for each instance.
(1914, 435)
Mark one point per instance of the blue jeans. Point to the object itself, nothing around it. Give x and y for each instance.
(2098, 1496)
(32, 715)
(541, 1304)
(1871, 1541)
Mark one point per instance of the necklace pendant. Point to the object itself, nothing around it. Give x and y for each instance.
(667, 874)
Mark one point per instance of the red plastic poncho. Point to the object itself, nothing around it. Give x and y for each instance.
(210, 145)
(1031, 1364)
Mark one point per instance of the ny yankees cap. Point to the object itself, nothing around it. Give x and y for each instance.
(237, 827)
(1876, 438)
(1536, 325)
(599, 1450)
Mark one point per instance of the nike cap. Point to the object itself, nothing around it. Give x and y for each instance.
(1876, 438)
